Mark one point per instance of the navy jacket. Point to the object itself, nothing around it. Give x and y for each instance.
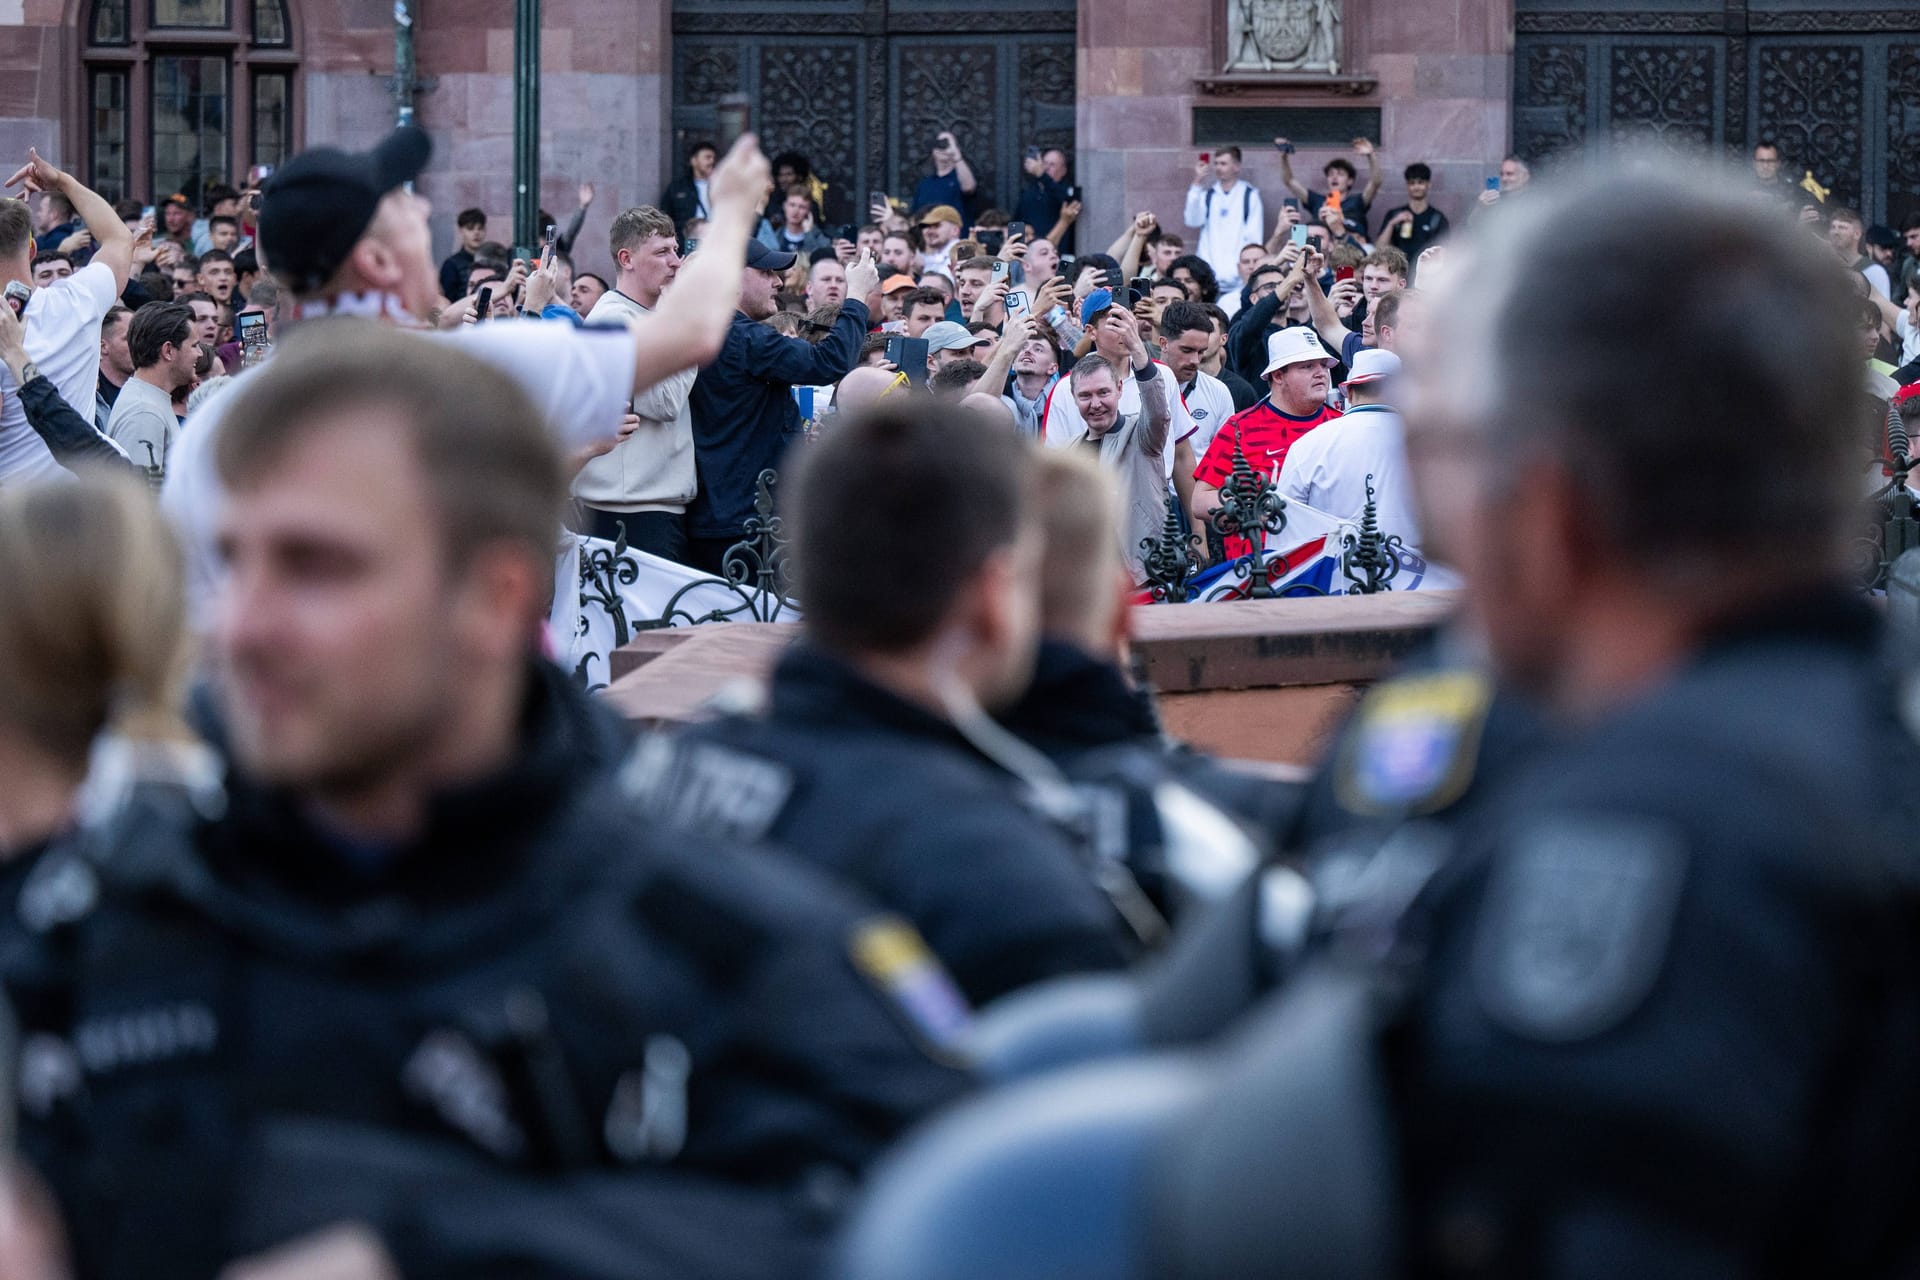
(544, 1009)
(744, 414)
(893, 800)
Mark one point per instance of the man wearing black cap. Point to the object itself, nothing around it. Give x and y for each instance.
(743, 407)
(345, 233)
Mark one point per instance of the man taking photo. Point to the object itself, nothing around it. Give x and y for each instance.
(742, 403)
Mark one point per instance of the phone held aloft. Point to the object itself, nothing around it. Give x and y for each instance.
(17, 295)
(251, 329)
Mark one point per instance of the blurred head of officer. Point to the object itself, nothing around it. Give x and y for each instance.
(390, 545)
(917, 554)
(1084, 586)
(1606, 527)
(92, 637)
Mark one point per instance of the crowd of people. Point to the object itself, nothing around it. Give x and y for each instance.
(342, 935)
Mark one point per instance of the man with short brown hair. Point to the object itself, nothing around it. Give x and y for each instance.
(641, 487)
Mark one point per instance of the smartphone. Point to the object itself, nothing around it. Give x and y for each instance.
(17, 295)
(1284, 148)
(1493, 184)
(1016, 231)
(483, 305)
(990, 241)
(878, 200)
(1140, 286)
(999, 272)
(1073, 193)
(1299, 235)
(1205, 158)
(1333, 199)
(546, 249)
(909, 356)
(250, 327)
(1018, 304)
(1289, 203)
(1110, 279)
(1342, 273)
(939, 142)
(692, 245)
(1033, 153)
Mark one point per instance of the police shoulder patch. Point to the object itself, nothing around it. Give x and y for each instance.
(1577, 922)
(1413, 745)
(889, 953)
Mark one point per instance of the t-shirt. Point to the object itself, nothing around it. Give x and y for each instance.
(1061, 423)
(1328, 470)
(1265, 434)
(142, 423)
(1352, 207)
(1425, 229)
(1209, 404)
(1909, 338)
(580, 380)
(1877, 277)
(63, 339)
(943, 188)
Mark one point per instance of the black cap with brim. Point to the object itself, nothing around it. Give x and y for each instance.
(761, 258)
(317, 206)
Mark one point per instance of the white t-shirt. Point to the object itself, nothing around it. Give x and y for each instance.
(1327, 468)
(63, 338)
(1909, 339)
(581, 381)
(1061, 423)
(1877, 277)
(1209, 405)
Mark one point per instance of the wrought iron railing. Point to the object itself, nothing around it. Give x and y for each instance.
(1894, 529)
(1251, 508)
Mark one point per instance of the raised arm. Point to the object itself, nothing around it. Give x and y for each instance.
(68, 435)
(1365, 148)
(1155, 388)
(1286, 170)
(691, 321)
(1325, 313)
(113, 243)
(994, 381)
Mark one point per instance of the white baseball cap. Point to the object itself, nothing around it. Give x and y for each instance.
(1372, 366)
(1297, 344)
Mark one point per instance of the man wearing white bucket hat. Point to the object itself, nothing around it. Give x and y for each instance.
(1299, 375)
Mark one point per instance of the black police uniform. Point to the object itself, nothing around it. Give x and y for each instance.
(892, 798)
(1103, 734)
(546, 1037)
(1650, 1008)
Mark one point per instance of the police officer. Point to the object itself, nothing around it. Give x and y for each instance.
(1171, 812)
(917, 554)
(1654, 1008)
(428, 970)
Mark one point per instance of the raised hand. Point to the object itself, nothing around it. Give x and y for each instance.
(586, 194)
(863, 278)
(36, 174)
(1144, 223)
(1362, 146)
(741, 181)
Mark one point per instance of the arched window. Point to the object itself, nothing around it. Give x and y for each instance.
(182, 94)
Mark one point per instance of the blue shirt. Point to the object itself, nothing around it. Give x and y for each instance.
(945, 189)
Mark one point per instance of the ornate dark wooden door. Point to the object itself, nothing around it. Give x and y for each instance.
(862, 86)
(1836, 88)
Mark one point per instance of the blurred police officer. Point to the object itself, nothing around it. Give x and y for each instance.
(917, 552)
(1102, 731)
(1653, 1008)
(429, 970)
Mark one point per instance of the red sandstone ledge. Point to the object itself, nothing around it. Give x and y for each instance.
(668, 677)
